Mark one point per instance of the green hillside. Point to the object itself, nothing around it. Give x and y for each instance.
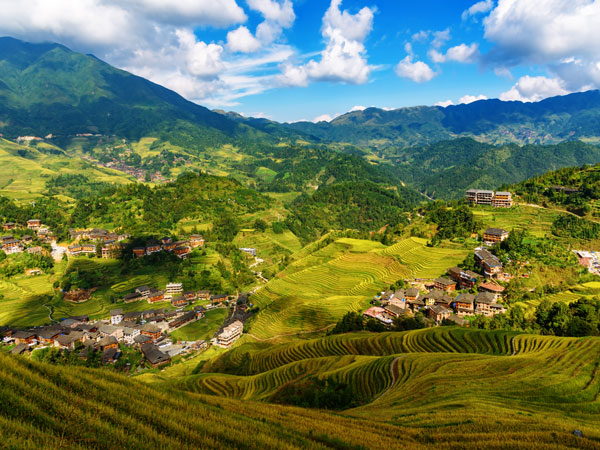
(26, 170)
(318, 288)
(445, 388)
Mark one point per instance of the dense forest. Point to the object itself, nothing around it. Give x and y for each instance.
(363, 206)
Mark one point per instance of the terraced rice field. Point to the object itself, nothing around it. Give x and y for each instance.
(204, 328)
(319, 288)
(423, 261)
(537, 221)
(521, 391)
(564, 297)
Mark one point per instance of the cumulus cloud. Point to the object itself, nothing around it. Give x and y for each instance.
(563, 36)
(241, 40)
(533, 89)
(471, 98)
(357, 108)
(323, 118)
(462, 53)
(478, 8)
(417, 71)
(344, 57)
(155, 39)
(444, 103)
(440, 38)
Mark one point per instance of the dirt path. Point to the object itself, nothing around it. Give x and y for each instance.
(393, 370)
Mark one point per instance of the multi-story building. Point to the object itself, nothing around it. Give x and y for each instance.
(490, 263)
(502, 200)
(492, 236)
(173, 290)
(498, 199)
(230, 334)
(480, 196)
(34, 224)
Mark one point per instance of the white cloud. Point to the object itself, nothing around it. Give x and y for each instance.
(462, 53)
(478, 8)
(471, 98)
(280, 13)
(357, 108)
(323, 118)
(155, 39)
(241, 40)
(563, 36)
(277, 17)
(533, 89)
(418, 71)
(344, 57)
(444, 103)
(440, 38)
(420, 36)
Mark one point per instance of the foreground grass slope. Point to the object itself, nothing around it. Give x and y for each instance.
(513, 389)
(320, 287)
(446, 398)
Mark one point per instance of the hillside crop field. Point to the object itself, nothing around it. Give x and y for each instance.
(537, 221)
(24, 170)
(443, 388)
(202, 329)
(317, 289)
(444, 382)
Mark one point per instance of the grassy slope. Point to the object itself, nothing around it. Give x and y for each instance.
(202, 329)
(317, 289)
(457, 386)
(24, 178)
(449, 388)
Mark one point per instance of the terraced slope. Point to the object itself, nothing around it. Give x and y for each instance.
(43, 406)
(317, 289)
(512, 389)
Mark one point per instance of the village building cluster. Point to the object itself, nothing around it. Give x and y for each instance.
(146, 331)
(497, 199)
(181, 249)
(590, 260)
(86, 242)
(10, 245)
(441, 301)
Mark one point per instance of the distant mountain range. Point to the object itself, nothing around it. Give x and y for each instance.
(48, 89)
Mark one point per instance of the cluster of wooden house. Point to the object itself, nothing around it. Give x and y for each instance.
(86, 242)
(439, 304)
(9, 244)
(180, 248)
(174, 294)
(441, 301)
(143, 330)
(497, 199)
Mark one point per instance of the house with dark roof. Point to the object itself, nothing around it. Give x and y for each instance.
(489, 262)
(438, 313)
(445, 284)
(116, 316)
(465, 304)
(108, 342)
(154, 356)
(492, 236)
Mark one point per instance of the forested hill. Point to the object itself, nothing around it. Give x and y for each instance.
(576, 188)
(552, 120)
(49, 89)
(446, 169)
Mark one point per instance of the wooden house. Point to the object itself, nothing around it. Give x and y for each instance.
(445, 284)
(9, 226)
(465, 304)
(179, 302)
(203, 295)
(34, 224)
(411, 294)
(216, 299)
(465, 278)
(139, 252)
(438, 313)
(492, 236)
(196, 240)
(155, 296)
(151, 330)
(154, 356)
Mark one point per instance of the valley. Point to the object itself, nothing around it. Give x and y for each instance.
(179, 277)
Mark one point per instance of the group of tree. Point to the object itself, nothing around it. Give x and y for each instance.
(452, 220)
(353, 321)
(580, 318)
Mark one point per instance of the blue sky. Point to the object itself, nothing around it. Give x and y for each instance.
(294, 60)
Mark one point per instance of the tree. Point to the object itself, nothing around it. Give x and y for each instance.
(260, 225)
